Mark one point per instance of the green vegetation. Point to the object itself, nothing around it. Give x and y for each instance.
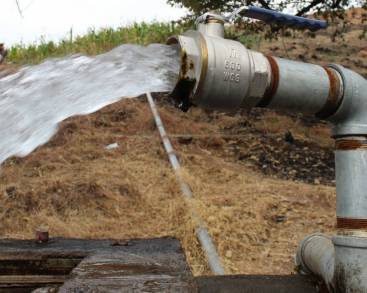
(100, 41)
(94, 42)
(332, 7)
(248, 37)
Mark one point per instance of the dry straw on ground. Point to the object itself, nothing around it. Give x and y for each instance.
(79, 189)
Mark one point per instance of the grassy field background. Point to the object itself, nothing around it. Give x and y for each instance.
(94, 42)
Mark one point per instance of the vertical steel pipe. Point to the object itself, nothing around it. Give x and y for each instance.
(351, 183)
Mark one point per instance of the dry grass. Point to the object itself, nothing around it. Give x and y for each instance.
(257, 222)
(273, 122)
(79, 189)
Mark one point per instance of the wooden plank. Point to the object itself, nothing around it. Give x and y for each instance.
(258, 284)
(80, 248)
(158, 265)
(39, 266)
(125, 272)
(115, 265)
(17, 280)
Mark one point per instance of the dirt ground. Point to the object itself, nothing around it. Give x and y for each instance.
(261, 180)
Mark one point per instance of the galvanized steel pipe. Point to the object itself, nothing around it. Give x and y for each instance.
(302, 87)
(316, 255)
(202, 233)
(222, 74)
(351, 182)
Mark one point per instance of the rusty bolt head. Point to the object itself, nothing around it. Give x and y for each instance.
(42, 235)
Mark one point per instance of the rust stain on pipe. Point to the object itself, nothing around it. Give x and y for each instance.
(351, 224)
(184, 67)
(271, 91)
(335, 96)
(350, 144)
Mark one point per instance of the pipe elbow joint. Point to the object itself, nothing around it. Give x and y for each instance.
(339, 262)
(350, 118)
(315, 256)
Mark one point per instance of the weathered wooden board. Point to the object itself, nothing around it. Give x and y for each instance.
(258, 284)
(135, 265)
(114, 264)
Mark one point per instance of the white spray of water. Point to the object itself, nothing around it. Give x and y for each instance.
(36, 99)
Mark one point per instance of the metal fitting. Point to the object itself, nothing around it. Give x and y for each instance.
(315, 255)
(260, 79)
(220, 74)
(42, 235)
(351, 116)
(211, 24)
(340, 262)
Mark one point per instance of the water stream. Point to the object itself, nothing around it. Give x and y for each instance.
(37, 98)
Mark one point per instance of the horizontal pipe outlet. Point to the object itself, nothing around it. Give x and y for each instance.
(302, 87)
(315, 255)
(222, 74)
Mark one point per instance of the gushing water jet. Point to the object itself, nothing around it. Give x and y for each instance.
(37, 98)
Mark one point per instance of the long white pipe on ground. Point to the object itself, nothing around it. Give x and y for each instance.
(202, 233)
